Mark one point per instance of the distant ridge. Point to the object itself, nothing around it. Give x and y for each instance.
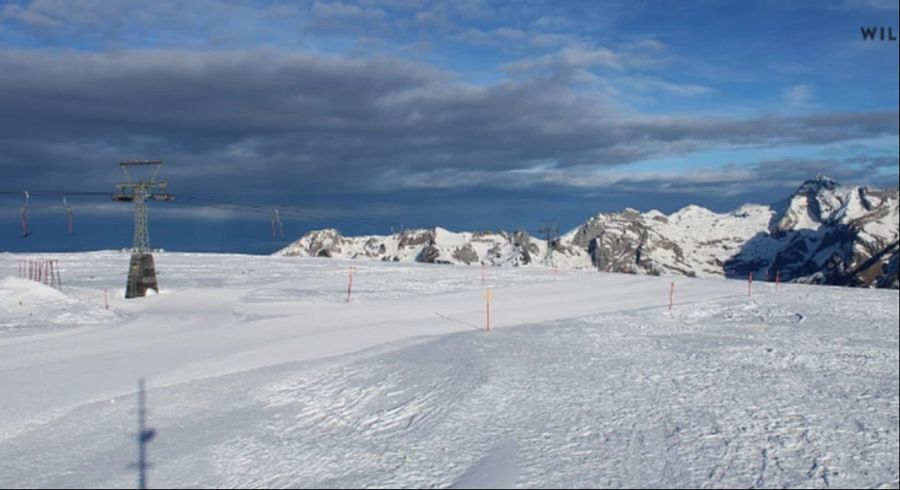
(824, 233)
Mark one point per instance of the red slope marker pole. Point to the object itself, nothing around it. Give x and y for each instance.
(350, 284)
(487, 311)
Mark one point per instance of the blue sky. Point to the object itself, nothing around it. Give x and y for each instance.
(385, 113)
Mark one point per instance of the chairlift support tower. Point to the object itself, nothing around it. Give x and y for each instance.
(550, 232)
(141, 271)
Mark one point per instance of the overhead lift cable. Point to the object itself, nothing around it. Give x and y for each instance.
(291, 212)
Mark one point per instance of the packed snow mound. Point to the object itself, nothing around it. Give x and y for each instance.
(26, 306)
(823, 233)
(16, 291)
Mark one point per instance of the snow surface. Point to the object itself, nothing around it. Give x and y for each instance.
(261, 374)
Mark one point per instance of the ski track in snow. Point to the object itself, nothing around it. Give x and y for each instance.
(261, 375)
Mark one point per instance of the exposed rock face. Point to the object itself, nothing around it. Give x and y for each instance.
(466, 254)
(824, 233)
(627, 242)
(429, 255)
(320, 243)
(888, 277)
(435, 246)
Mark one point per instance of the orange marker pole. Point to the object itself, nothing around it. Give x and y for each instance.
(350, 284)
(671, 294)
(487, 311)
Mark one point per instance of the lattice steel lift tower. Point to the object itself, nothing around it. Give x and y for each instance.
(550, 231)
(141, 272)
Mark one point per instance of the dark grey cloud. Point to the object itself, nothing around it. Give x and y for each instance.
(309, 122)
(767, 180)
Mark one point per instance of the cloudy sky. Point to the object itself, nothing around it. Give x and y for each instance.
(466, 114)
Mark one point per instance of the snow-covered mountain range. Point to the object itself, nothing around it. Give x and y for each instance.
(824, 233)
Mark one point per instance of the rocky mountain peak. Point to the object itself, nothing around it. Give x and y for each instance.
(823, 233)
(817, 186)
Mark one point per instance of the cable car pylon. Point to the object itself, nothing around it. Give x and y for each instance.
(141, 271)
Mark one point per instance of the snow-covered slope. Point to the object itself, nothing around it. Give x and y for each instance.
(29, 306)
(823, 233)
(261, 374)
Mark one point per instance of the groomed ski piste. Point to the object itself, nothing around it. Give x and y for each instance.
(260, 373)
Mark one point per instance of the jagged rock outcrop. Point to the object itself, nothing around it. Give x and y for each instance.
(435, 246)
(824, 233)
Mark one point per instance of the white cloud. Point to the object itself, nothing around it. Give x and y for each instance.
(798, 97)
(872, 4)
(28, 16)
(652, 85)
(338, 11)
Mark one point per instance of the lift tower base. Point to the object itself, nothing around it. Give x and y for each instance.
(141, 275)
